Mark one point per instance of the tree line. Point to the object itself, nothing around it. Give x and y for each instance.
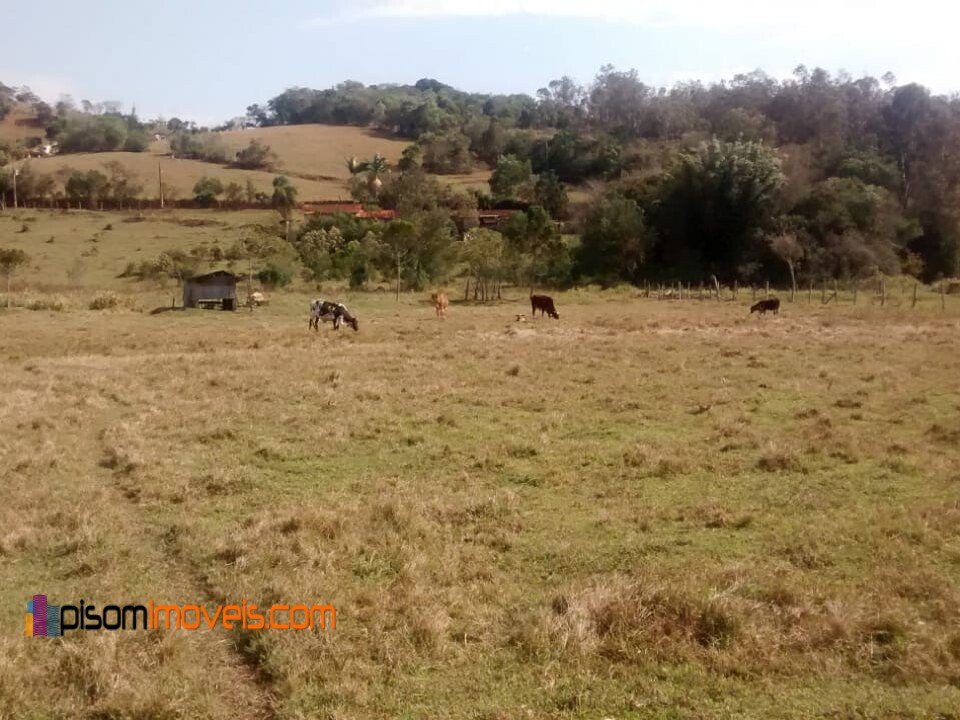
(855, 174)
(816, 175)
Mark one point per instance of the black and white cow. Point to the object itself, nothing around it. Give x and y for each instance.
(336, 313)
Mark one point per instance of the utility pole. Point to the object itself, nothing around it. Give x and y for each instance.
(160, 175)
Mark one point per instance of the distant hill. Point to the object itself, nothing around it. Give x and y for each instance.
(320, 152)
(314, 156)
(317, 150)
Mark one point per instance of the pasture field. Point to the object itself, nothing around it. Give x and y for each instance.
(75, 252)
(180, 175)
(643, 510)
(318, 150)
(313, 156)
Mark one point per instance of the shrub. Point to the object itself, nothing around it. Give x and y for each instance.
(206, 190)
(104, 300)
(255, 156)
(359, 276)
(273, 276)
(55, 303)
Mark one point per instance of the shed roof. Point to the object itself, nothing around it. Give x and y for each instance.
(215, 276)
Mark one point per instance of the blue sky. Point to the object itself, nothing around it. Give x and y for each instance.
(207, 59)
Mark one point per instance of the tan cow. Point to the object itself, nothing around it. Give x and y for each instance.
(440, 303)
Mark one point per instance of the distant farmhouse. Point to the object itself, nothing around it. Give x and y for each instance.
(485, 218)
(45, 150)
(354, 209)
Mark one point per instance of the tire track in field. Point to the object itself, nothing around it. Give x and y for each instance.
(113, 469)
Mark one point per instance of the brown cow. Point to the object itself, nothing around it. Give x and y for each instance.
(544, 304)
(440, 303)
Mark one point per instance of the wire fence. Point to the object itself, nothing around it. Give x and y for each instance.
(880, 292)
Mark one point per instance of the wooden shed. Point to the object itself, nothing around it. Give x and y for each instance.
(216, 289)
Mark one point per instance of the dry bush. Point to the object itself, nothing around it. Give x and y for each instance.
(775, 459)
(122, 448)
(629, 622)
(36, 301)
(769, 626)
(57, 303)
(104, 300)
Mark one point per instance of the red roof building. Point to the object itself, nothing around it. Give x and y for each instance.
(348, 208)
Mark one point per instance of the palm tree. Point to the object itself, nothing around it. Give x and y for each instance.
(284, 199)
(374, 166)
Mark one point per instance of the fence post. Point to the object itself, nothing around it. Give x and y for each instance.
(943, 297)
(836, 292)
(914, 304)
(883, 292)
(823, 293)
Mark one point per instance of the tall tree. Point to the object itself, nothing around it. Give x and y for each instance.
(712, 209)
(615, 240)
(284, 200)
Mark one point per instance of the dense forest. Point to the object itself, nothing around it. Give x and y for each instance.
(814, 176)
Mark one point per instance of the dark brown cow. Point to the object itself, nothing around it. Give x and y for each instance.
(544, 304)
(773, 305)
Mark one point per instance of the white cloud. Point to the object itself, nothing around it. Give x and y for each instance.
(854, 22)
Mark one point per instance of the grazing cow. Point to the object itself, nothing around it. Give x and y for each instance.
(440, 303)
(336, 313)
(773, 305)
(544, 304)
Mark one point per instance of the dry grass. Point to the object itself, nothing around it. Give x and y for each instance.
(648, 509)
(313, 155)
(318, 150)
(179, 175)
(75, 254)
